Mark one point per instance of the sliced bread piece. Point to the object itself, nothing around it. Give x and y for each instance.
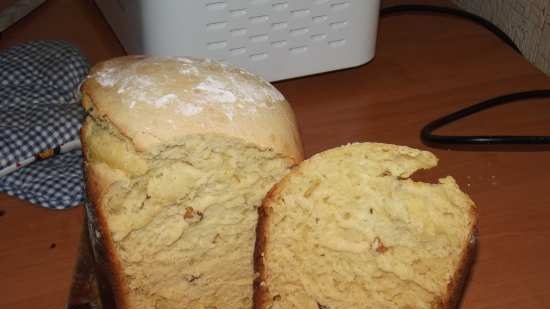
(347, 229)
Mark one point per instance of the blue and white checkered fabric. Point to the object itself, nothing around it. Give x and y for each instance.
(54, 183)
(40, 109)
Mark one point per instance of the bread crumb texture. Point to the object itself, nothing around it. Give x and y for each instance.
(348, 229)
(182, 217)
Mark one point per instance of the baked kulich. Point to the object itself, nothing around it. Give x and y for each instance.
(348, 229)
(179, 153)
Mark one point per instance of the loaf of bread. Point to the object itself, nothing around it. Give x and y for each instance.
(348, 229)
(179, 153)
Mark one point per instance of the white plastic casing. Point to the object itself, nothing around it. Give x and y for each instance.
(277, 39)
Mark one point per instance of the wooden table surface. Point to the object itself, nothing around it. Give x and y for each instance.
(425, 66)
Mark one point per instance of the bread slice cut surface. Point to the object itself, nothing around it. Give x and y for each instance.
(181, 223)
(348, 229)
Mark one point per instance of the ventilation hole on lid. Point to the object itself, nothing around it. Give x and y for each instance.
(319, 19)
(280, 5)
(237, 51)
(217, 45)
(216, 5)
(238, 32)
(298, 49)
(300, 13)
(318, 37)
(338, 24)
(258, 56)
(258, 2)
(279, 26)
(299, 31)
(278, 43)
(337, 43)
(238, 12)
(259, 38)
(259, 19)
(339, 5)
(216, 26)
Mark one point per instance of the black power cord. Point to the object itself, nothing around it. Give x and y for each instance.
(426, 133)
(420, 8)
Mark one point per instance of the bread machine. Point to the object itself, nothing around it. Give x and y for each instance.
(277, 39)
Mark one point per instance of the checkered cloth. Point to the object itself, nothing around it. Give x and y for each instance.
(40, 109)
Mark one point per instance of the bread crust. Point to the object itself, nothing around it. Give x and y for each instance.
(107, 262)
(261, 292)
(456, 286)
(159, 100)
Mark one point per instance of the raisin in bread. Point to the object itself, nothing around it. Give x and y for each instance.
(348, 229)
(179, 153)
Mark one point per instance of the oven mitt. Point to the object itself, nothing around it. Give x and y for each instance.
(40, 110)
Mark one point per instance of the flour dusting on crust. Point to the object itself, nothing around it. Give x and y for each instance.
(216, 90)
(194, 85)
(189, 109)
(165, 99)
(107, 77)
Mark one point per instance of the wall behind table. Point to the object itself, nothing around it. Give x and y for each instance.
(527, 22)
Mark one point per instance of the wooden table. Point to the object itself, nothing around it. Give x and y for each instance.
(426, 66)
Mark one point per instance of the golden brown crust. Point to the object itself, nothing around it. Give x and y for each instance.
(261, 292)
(455, 288)
(110, 269)
(156, 101)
